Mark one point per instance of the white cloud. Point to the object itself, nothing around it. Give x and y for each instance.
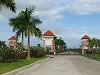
(49, 9)
(53, 11)
(83, 7)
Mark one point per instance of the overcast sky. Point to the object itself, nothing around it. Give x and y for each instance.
(69, 19)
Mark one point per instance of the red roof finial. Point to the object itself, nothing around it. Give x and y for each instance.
(12, 38)
(85, 37)
(48, 33)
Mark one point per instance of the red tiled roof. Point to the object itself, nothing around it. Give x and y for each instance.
(12, 38)
(48, 33)
(85, 37)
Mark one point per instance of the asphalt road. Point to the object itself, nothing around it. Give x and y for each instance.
(65, 65)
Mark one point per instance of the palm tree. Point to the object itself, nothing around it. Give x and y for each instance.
(93, 43)
(26, 24)
(18, 26)
(9, 4)
(94, 40)
(90, 45)
(59, 43)
(31, 23)
(98, 43)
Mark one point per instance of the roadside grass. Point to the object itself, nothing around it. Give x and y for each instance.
(6, 67)
(93, 56)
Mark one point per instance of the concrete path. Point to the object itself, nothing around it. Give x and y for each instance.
(65, 65)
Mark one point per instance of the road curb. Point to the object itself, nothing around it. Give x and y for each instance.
(16, 71)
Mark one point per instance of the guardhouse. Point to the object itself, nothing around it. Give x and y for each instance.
(85, 43)
(48, 39)
(12, 42)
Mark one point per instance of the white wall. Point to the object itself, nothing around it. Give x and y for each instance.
(48, 41)
(85, 43)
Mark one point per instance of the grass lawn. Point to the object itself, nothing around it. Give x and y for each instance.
(93, 56)
(6, 67)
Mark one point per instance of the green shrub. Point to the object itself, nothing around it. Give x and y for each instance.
(2, 44)
(8, 55)
(37, 51)
(58, 50)
(11, 54)
(21, 53)
(47, 51)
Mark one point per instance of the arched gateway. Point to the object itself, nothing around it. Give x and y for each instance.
(49, 43)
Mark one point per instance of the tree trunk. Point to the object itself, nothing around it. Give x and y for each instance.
(28, 55)
(22, 39)
(92, 51)
(96, 49)
(89, 48)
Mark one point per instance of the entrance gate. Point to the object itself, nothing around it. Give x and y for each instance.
(71, 52)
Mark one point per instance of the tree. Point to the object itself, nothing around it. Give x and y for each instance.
(90, 45)
(31, 23)
(93, 44)
(18, 25)
(59, 42)
(26, 24)
(2, 44)
(98, 43)
(9, 4)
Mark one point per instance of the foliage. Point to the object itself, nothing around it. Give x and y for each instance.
(2, 44)
(9, 4)
(94, 42)
(94, 45)
(8, 55)
(59, 44)
(93, 56)
(21, 53)
(37, 51)
(25, 24)
(11, 54)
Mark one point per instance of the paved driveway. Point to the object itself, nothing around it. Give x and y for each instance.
(65, 65)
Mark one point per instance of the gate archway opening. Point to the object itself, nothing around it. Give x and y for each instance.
(71, 52)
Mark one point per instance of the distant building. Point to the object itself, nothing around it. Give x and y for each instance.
(85, 43)
(12, 42)
(48, 39)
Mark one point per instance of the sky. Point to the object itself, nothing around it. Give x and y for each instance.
(68, 19)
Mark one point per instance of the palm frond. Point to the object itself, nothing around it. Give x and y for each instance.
(9, 3)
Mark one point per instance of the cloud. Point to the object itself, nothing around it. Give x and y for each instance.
(56, 9)
(52, 11)
(49, 9)
(83, 7)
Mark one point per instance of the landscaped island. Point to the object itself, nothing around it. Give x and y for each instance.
(11, 59)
